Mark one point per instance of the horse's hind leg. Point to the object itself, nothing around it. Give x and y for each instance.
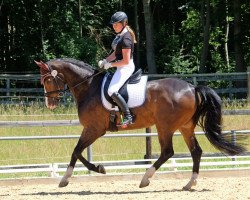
(86, 139)
(167, 151)
(195, 150)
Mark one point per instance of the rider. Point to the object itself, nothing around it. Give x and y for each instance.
(123, 48)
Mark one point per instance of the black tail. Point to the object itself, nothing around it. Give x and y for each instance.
(209, 117)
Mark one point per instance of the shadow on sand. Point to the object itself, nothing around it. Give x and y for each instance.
(82, 193)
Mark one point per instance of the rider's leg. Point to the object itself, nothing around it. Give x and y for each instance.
(124, 107)
(120, 77)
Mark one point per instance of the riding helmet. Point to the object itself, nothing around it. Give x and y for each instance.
(118, 17)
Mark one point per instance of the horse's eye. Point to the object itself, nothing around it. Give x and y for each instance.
(49, 80)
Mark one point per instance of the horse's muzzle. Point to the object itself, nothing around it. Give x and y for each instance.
(51, 103)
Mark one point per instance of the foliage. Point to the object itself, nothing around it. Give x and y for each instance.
(46, 29)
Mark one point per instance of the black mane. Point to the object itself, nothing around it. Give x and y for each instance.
(73, 61)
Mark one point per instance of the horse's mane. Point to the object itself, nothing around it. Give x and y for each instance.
(73, 61)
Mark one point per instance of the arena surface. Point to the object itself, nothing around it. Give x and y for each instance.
(228, 185)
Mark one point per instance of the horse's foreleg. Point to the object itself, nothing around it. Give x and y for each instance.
(64, 181)
(196, 152)
(167, 151)
(85, 140)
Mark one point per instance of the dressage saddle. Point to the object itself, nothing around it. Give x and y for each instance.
(133, 79)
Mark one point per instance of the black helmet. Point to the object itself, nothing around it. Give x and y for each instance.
(118, 17)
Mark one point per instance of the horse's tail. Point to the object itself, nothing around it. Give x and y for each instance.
(209, 116)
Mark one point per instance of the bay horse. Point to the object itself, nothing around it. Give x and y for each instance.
(170, 105)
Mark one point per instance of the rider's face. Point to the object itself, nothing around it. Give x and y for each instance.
(118, 27)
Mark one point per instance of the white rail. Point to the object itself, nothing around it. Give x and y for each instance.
(89, 149)
(107, 135)
(173, 165)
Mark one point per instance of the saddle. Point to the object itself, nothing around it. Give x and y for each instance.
(133, 91)
(133, 79)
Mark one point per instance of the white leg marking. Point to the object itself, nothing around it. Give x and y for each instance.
(192, 182)
(64, 181)
(149, 173)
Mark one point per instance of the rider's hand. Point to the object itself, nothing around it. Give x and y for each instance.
(107, 65)
(101, 63)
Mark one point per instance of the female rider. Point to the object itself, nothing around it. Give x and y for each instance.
(122, 57)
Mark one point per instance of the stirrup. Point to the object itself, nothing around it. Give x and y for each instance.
(125, 122)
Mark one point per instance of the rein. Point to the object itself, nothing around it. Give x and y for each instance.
(61, 92)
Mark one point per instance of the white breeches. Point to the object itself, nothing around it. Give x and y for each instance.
(120, 77)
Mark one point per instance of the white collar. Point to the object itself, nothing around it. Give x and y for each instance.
(125, 30)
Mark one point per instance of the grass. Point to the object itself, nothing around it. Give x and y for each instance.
(51, 151)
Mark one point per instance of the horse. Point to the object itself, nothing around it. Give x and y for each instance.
(170, 104)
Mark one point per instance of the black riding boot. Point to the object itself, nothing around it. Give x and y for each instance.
(119, 100)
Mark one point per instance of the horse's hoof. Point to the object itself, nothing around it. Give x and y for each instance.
(144, 184)
(185, 188)
(189, 186)
(101, 169)
(63, 183)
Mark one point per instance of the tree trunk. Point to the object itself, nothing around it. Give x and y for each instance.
(1, 6)
(171, 16)
(4, 40)
(137, 33)
(149, 37)
(239, 56)
(206, 37)
(41, 28)
(80, 17)
(120, 4)
(226, 37)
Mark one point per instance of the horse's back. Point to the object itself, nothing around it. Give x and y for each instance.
(172, 94)
(173, 87)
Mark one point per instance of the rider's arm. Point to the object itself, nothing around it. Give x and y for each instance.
(111, 57)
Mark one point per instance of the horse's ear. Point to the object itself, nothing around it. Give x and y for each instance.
(42, 65)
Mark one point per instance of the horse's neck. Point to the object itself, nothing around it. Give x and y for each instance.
(89, 91)
(77, 81)
(74, 75)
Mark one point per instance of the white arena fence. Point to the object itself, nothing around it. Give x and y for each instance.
(173, 165)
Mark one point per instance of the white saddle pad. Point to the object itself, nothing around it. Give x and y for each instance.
(136, 94)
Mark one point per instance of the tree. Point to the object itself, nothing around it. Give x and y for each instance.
(239, 55)
(137, 33)
(226, 35)
(184, 37)
(206, 35)
(149, 37)
(80, 17)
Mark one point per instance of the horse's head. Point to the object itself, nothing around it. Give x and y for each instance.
(53, 84)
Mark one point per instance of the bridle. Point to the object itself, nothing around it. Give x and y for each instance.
(61, 92)
(56, 78)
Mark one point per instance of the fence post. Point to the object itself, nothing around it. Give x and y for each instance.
(195, 81)
(89, 154)
(7, 87)
(248, 83)
(233, 140)
(54, 172)
(230, 89)
(148, 145)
